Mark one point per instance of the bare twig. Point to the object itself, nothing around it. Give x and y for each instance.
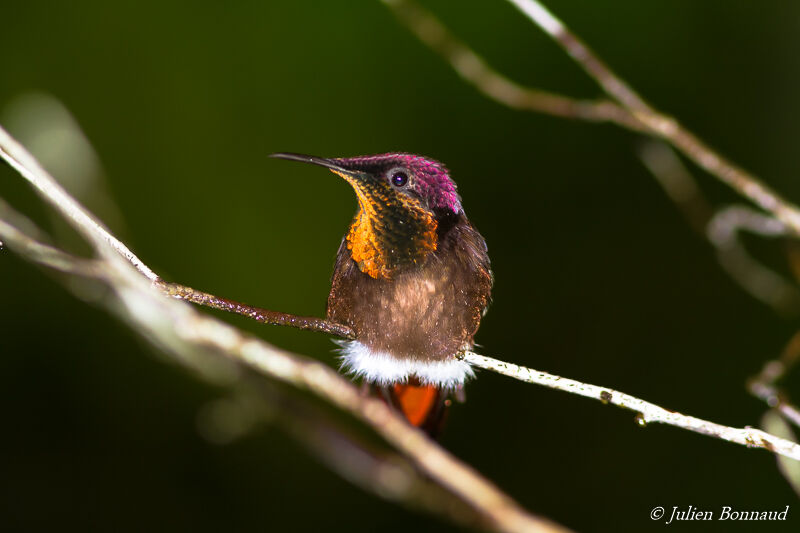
(19, 240)
(611, 84)
(633, 111)
(758, 280)
(345, 451)
(647, 413)
(764, 385)
(659, 124)
(104, 242)
(679, 185)
(723, 228)
(475, 71)
(265, 316)
(46, 255)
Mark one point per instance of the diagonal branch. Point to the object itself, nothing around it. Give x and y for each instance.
(578, 51)
(764, 385)
(265, 316)
(659, 124)
(88, 226)
(389, 475)
(723, 230)
(631, 111)
(494, 85)
(17, 240)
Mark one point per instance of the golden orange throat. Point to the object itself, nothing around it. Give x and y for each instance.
(382, 244)
(390, 231)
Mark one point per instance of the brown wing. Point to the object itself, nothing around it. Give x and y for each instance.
(469, 249)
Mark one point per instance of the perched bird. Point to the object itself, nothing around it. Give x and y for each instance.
(412, 280)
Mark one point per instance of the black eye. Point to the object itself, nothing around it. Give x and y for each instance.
(398, 178)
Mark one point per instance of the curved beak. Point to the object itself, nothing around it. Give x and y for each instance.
(320, 161)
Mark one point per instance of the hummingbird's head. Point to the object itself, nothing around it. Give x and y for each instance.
(402, 201)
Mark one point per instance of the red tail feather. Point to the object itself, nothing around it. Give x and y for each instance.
(417, 403)
(424, 406)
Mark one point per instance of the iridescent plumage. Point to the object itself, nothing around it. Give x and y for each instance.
(412, 277)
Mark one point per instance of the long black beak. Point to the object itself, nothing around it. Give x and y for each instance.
(321, 161)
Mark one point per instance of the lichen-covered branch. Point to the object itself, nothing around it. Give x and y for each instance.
(647, 413)
(265, 316)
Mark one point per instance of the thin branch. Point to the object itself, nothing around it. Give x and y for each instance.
(660, 124)
(764, 385)
(20, 241)
(374, 468)
(647, 413)
(761, 282)
(578, 51)
(502, 512)
(30, 169)
(265, 316)
(776, 399)
(95, 232)
(633, 113)
(679, 185)
(497, 87)
(723, 228)
(46, 255)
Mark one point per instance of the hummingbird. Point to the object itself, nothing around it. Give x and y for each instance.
(411, 282)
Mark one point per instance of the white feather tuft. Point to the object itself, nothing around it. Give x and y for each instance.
(384, 369)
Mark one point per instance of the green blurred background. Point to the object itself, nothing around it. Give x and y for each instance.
(598, 276)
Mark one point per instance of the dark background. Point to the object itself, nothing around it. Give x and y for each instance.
(598, 276)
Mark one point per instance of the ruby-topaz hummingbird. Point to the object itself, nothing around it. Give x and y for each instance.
(412, 280)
